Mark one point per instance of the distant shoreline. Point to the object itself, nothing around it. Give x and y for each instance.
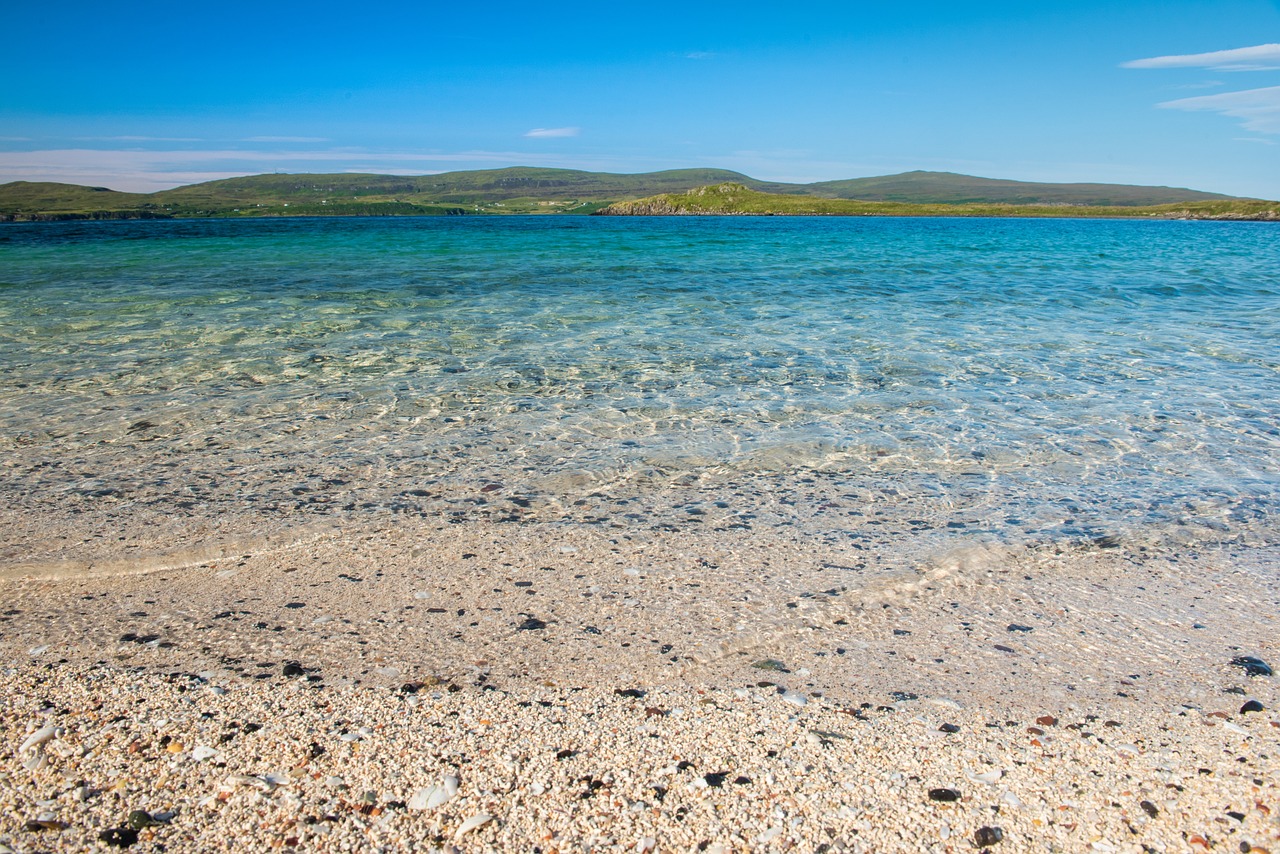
(558, 192)
(1060, 213)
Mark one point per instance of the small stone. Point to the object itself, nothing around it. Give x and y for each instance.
(1251, 706)
(138, 819)
(795, 698)
(986, 836)
(471, 824)
(633, 693)
(1015, 627)
(715, 780)
(771, 664)
(1149, 808)
(944, 795)
(1252, 666)
(119, 837)
(1047, 720)
(293, 668)
(531, 624)
(949, 728)
(902, 696)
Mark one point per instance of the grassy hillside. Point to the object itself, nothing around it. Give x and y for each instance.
(737, 199)
(950, 188)
(532, 190)
(48, 197)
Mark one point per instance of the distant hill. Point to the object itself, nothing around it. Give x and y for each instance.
(530, 190)
(737, 199)
(951, 188)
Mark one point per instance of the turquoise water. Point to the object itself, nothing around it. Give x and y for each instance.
(886, 382)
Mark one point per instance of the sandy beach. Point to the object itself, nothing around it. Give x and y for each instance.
(595, 690)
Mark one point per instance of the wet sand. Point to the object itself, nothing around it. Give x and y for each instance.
(661, 669)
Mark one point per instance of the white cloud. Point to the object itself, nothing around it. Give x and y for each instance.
(1259, 109)
(285, 139)
(552, 133)
(145, 171)
(1263, 57)
(1255, 139)
(131, 138)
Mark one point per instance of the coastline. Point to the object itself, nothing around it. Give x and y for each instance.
(680, 663)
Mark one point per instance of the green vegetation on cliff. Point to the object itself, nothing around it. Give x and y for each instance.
(736, 199)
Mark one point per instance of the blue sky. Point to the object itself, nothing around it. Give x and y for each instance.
(145, 95)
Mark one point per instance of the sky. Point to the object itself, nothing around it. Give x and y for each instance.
(144, 95)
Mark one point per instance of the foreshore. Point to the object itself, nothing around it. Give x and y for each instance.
(596, 689)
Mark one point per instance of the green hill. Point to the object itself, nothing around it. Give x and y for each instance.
(951, 188)
(531, 190)
(737, 199)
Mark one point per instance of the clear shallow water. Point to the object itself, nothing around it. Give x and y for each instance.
(894, 384)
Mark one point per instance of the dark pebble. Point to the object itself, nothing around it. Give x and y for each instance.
(1004, 648)
(295, 605)
(565, 754)
(944, 795)
(1014, 627)
(1251, 706)
(742, 781)
(684, 765)
(1252, 666)
(139, 819)
(985, 836)
(119, 837)
(531, 624)
(1149, 808)
(903, 695)
(948, 728)
(1238, 816)
(715, 780)
(771, 664)
(901, 632)
(634, 693)
(293, 668)
(1047, 720)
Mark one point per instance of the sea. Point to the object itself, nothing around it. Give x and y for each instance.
(897, 386)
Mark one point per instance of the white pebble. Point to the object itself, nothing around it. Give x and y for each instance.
(471, 824)
(203, 752)
(40, 736)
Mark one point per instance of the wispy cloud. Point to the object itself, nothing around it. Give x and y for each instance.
(1259, 109)
(1255, 139)
(132, 138)
(1263, 57)
(552, 133)
(699, 54)
(285, 139)
(147, 170)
